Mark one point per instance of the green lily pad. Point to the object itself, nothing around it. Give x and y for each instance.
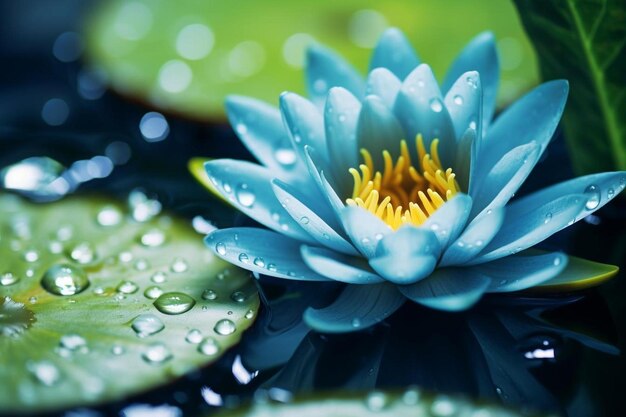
(186, 56)
(411, 402)
(100, 300)
(579, 274)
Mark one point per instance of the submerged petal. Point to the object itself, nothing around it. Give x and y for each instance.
(358, 307)
(339, 267)
(449, 289)
(248, 187)
(395, 53)
(326, 69)
(479, 55)
(262, 251)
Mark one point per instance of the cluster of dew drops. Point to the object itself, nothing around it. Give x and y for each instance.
(69, 279)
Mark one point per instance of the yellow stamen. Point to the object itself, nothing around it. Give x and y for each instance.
(403, 193)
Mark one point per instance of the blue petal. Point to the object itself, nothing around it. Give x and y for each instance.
(395, 53)
(320, 227)
(494, 188)
(533, 117)
(382, 83)
(316, 170)
(464, 102)
(449, 289)
(262, 251)
(339, 267)
(260, 127)
(248, 187)
(521, 232)
(326, 69)
(340, 119)
(420, 109)
(598, 188)
(518, 272)
(305, 123)
(448, 221)
(358, 307)
(407, 255)
(474, 238)
(479, 55)
(378, 130)
(466, 158)
(365, 229)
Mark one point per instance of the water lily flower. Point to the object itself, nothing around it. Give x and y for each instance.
(401, 188)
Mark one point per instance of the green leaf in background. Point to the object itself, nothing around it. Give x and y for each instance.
(185, 56)
(409, 403)
(99, 301)
(584, 42)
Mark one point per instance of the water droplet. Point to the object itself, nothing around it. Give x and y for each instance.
(174, 303)
(31, 256)
(249, 314)
(64, 279)
(225, 327)
(45, 372)
(83, 253)
(304, 220)
(179, 265)
(8, 278)
(158, 277)
(411, 397)
(220, 248)
(194, 336)
(610, 193)
(557, 261)
(320, 86)
(547, 218)
(471, 81)
(127, 287)
(244, 195)
(142, 264)
(157, 354)
(153, 292)
(125, 257)
(37, 176)
(271, 267)
(32, 300)
(243, 257)
(117, 350)
(259, 262)
(376, 401)
(109, 216)
(153, 238)
(436, 105)
(142, 207)
(147, 324)
(209, 295)
(208, 347)
(479, 242)
(55, 247)
(443, 406)
(458, 100)
(593, 197)
(356, 322)
(285, 156)
(73, 342)
(238, 296)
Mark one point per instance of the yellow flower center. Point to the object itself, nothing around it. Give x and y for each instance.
(403, 193)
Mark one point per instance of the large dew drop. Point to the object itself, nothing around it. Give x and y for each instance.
(245, 196)
(174, 303)
(147, 324)
(64, 279)
(593, 197)
(225, 327)
(157, 354)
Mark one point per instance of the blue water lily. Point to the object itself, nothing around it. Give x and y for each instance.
(399, 187)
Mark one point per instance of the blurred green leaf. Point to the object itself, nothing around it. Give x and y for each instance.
(583, 41)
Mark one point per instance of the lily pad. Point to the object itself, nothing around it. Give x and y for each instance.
(186, 56)
(100, 300)
(411, 402)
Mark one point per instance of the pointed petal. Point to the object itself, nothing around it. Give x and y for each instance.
(420, 109)
(449, 220)
(464, 102)
(449, 289)
(262, 251)
(579, 274)
(466, 157)
(479, 55)
(378, 130)
(358, 307)
(522, 232)
(598, 188)
(533, 117)
(326, 69)
(382, 83)
(339, 267)
(518, 272)
(340, 118)
(317, 171)
(395, 53)
(474, 238)
(365, 229)
(305, 123)
(261, 129)
(407, 255)
(321, 229)
(494, 188)
(248, 187)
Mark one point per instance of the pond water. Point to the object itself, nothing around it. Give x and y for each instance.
(555, 353)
